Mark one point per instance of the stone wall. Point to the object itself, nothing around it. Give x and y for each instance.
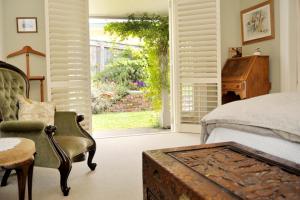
(131, 103)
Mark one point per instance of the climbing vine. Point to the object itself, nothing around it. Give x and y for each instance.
(153, 30)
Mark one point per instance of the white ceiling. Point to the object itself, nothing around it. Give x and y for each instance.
(122, 8)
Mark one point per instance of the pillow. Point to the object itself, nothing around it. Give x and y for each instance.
(36, 111)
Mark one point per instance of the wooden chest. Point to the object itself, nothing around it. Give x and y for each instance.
(246, 76)
(218, 171)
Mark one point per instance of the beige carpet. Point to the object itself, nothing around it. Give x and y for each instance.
(117, 177)
(128, 132)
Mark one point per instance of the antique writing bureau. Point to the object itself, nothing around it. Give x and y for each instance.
(246, 76)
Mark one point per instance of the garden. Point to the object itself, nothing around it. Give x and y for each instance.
(134, 78)
(125, 74)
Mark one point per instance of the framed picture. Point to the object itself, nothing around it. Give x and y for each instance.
(27, 25)
(257, 23)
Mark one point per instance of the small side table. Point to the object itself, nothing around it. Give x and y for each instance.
(18, 154)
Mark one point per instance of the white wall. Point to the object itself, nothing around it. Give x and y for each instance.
(269, 47)
(231, 36)
(14, 41)
(230, 27)
(1, 30)
(122, 8)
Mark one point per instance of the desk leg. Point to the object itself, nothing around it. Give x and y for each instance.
(22, 173)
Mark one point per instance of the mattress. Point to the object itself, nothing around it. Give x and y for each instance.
(275, 146)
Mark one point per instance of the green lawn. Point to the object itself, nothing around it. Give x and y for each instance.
(124, 120)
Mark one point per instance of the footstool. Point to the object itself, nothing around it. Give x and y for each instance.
(18, 154)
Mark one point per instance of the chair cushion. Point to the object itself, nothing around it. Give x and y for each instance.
(73, 145)
(36, 111)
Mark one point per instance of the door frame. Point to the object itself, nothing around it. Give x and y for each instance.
(173, 74)
(289, 49)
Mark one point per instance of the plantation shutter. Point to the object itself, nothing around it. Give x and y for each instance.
(68, 56)
(196, 61)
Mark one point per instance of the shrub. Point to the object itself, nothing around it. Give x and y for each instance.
(128, 69)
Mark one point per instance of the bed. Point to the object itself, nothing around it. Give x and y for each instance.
(270, 123)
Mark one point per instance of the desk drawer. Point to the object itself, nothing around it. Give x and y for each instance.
(232, 86)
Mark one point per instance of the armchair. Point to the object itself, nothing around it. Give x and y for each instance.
(56, 146)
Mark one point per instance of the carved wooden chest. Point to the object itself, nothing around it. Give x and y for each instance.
(218, 171)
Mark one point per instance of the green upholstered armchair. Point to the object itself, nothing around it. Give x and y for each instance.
(57, 146)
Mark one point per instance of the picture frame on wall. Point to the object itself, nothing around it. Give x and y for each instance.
(257, 23)
(26, 24)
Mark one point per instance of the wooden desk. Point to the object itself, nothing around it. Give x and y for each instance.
(218, 171)
(246, 76)
(18, 154)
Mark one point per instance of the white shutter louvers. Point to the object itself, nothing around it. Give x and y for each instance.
(68, 60)
(195, 55)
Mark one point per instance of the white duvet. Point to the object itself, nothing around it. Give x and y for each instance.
(274, 114)
(274, 146)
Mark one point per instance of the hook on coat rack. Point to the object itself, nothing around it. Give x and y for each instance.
(26, 50)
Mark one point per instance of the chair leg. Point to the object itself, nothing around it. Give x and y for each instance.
(91, 165)
(92, 152)
(5, 177)
(65, 162)
(64, 171)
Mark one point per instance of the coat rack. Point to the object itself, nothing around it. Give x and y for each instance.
(28, 50)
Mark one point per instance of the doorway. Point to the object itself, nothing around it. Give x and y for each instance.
(120, 84)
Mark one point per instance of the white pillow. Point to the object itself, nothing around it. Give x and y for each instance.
(36, 111)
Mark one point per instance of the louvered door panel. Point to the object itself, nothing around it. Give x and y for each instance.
(196, 61)
(68, 61)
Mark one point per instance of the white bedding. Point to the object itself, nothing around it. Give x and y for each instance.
(276, 114)
(272, 145)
